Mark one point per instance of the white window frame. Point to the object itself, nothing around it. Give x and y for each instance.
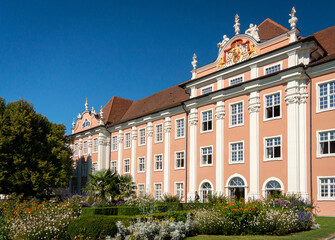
(176, 127)
(124, 165)
(201, 116)
(94, 166)
(95, 145)
(319, 198)
(139, 136)
(127, 142)
(114, 149)
(175, 160)
(235, 77)
(76, 149)
(138, 165)
(155, 169)
(176, 191)
(264, 189)
(274, 64)
(266, 159)
(318, 154)
(114, 162)
(207, 86)
(161, 192)
(138, 188)
(265, 106)
(318, 110)
(156, 133)
(85, 148)
(231, 116)
(206, 165)
(231, 154)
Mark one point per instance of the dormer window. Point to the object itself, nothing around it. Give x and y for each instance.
(273, 68)
(86, 123)
(236, 80)
(206, 90)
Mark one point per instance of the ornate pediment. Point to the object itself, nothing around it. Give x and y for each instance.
(238, 51)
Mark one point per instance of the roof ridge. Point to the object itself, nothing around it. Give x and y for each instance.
(277, 24)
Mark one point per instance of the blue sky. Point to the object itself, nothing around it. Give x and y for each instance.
(55, 53)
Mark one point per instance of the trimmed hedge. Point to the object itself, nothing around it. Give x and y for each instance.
(125, 211)
(176, 215)
(164, 207)
(197, 205)
(96, 226)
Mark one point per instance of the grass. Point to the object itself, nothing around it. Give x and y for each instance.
(327, 228)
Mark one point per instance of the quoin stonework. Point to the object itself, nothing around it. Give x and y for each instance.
(258, 120)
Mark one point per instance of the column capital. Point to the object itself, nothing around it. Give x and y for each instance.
(254, 103)
(167, 124)
(219, 111)
(150, 131)
(193, 121)
(290, 99)
(134, 133)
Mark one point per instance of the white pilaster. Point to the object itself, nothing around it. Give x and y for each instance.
(292, 58)
(119, 153)
(167, 128)
(219, 116)
(108, 152)
(193, 92)
(89, 146)
(253, 107)
(101, 151)
(303, 139)
(150, 132)
(220, 82)
(133, 153)
(193, 121)
(80, 147)
(253, 71)
(292, 101)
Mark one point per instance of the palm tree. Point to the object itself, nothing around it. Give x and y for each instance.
(103, 185)
(126, 186)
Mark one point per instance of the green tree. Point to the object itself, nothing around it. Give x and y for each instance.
(35, 156)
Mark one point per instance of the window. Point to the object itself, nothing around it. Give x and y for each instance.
(141, 164)
(179, 188)
(273, 148)
(141, 139)
(127, 140)
(272, 188)
(158, 162)
(76, 149)
(327, 188)
(114, 143)
(327, 143)
(126, 166)
(206, 90)
(140, 190)
(206, 156)
(85, 147)
(272, 109)
(179, 160)
(236, 80)
(272, 69)
(180, 123)
(206, 190)
(159, 133)
(95, 145)
(327, 96)
(94, 167)
(86, 123)
(236, 114)
(158, 191)
(207, 121)
(113, 166)
(236, 188)
(236, 152)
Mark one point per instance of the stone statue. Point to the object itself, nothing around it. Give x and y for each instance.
(224, 40)
(253, 32)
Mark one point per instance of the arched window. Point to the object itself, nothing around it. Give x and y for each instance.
(272, 188)
(206, 190)
(86, 123)
(237, 188)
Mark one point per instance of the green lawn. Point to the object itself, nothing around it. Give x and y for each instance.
(327, 228)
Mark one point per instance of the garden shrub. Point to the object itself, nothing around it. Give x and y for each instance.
(196, 205)
(172, 215)
(124, 210)
(128, 211)
(164, 207)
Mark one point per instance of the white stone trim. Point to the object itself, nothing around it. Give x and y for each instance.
(245, 186)
(318, 155)
(232, 78)
(162, 189)
(219, 168)
(139, 136)
(230, 114)
(125, 139)
(124, 165)
(167, 154)
(158, 170)
(193, 122)
(265, 159)
(155, 132)
(207, 86)
(267, 181)
(175, 190)
(138, 165)
(175, 122)
(203, 181)
(213, 115)
(175, 160)
(206, 165)
(274, 64)
(149, 157)
(119, 153)
(265, 106)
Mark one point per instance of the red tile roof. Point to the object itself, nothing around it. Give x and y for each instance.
(269, 29)
(326, 38)
(115, 109)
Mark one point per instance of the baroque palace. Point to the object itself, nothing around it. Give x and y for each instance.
(259, 119)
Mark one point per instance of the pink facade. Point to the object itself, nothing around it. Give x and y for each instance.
(257, 120)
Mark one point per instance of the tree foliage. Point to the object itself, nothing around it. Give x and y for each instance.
(35, 156)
